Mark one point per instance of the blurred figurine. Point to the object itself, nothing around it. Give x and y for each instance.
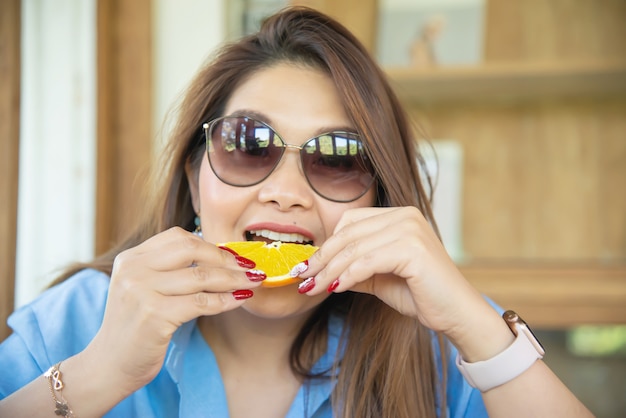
(422, 51)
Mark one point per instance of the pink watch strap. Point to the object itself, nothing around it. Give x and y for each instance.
(504, 367)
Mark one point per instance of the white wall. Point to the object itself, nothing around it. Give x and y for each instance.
(57, 141)
(56, 202)
(186, 33)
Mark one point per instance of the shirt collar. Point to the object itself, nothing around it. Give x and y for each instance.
(193, 367)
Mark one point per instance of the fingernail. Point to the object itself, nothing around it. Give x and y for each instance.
(244, 262)
(233, 252)
(299, 268)
(243, 294)
(256, 275)
(306, 285)
(333, 286)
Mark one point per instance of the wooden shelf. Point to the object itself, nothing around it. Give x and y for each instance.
(513, 82)
(555, 295)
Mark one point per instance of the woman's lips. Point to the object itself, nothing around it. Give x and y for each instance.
(278, 232)
(278, 236)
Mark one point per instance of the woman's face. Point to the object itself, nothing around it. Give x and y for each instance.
(299, 103)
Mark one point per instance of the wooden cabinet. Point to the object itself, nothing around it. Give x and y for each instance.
(511, 83)
(544, 207)
(542, 123)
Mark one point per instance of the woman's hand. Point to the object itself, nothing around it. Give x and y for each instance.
(394, 254)
(157, 286)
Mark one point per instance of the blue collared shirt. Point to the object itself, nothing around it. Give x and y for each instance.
(64, 319)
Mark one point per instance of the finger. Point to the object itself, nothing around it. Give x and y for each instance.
(352, 266)
(201, 278)
(160, 315)
(156, 241)
(392, 290)
(357, 253)
(356, 236)
(355, 215)
(395, 240)
(189, 307)
(175, 249)
(387, 215)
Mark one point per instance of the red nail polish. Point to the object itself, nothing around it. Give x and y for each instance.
(256, 275)
(306, 285)
(244, 262)
(333, 286)
(230, 250)
(243, 294)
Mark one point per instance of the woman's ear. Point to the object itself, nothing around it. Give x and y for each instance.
(193, 172)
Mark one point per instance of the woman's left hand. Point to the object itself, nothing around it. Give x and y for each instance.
(394, 254)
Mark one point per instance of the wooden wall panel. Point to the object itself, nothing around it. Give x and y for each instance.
(542, 176)
(545, 30)
(541, 181)
(359, 16)
(544, 211)
(124, 114)
(551, 295)
(10, 15)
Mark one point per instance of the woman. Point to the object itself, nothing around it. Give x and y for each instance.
(169, 324)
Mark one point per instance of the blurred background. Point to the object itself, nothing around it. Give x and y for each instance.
(524, 104)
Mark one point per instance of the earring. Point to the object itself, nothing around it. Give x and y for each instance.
(198, 230)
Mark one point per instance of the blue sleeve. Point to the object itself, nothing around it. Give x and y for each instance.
(55, 326)
(17, 364)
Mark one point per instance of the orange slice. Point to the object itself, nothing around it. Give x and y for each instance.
(275, 259)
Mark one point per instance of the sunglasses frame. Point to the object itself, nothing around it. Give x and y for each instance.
(208, 127)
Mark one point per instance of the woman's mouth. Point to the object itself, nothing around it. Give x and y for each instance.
(267, 235)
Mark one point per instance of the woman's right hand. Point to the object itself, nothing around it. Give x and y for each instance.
(157, 286)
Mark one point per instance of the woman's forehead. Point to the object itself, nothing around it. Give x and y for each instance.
(291, 98)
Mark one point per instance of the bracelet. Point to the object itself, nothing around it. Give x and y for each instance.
(53, 376)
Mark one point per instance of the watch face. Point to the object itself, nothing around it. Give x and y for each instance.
(517, 325)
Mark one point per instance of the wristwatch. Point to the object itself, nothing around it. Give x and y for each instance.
(510, 363)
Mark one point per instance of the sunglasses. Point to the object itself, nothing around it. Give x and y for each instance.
(243, 151)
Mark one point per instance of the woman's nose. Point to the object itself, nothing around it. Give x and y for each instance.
(286, 186)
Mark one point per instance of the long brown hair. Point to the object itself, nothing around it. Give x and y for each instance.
(388, 368)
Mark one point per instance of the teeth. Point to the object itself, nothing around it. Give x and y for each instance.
(279, 236)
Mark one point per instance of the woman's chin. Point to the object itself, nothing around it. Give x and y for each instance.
(281, 302)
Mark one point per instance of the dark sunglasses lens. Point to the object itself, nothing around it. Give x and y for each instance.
(337, 167)
(242, 151)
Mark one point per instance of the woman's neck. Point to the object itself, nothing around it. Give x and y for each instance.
(253, 357)
(246, 339)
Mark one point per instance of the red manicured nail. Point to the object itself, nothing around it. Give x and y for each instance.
(306, 285)
(244, 262)
(230, 250)
(333, 286)
(243, 294)
(256, 275)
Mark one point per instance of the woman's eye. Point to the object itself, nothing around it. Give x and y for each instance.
(335, 162)
(253, 148)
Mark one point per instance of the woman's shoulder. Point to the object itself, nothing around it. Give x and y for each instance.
(66, 315)
(85, 290)
(57, 324)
